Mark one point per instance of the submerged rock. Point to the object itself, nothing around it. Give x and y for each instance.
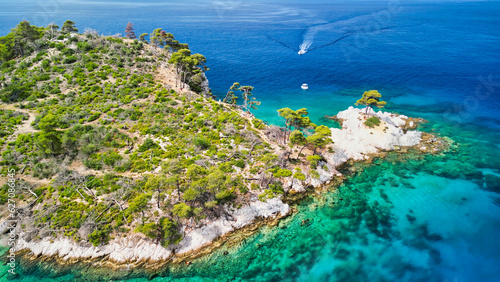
(492, 183)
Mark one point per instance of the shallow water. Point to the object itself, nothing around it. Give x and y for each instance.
(418, 218)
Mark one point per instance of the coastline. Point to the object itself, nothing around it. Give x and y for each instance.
(354, 142)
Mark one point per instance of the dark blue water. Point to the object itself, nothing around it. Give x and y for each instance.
(436, 60)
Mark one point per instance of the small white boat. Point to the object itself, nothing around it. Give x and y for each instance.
(302, 52)
(305, 86)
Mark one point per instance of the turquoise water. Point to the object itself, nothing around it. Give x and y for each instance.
(421, 218)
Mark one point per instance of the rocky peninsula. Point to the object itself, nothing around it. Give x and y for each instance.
(122, 159)
(353, 142)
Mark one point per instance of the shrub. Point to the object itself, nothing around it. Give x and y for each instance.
(148, 144)
(84, 46)
(313, 160)
(45, 64)
(226, 167)
(224, 195)
(182, 210)
(91, 66)
(259, 124)
(67, 51)
(94, 162)
(239, 163)
(372, 122)
(201, 142)
(70, 60)
(93, 117)
(100, 235)
(111, 158)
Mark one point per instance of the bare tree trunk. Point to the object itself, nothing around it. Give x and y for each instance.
(78, 191)
(103, 212)
(252, 148)
(158, 199)
(121, 208)
(300, 152)
(29, 190)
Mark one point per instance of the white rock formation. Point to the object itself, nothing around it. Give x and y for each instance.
(137, 248)
(355, 140)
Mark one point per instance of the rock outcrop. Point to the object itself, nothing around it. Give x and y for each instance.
(355, 141)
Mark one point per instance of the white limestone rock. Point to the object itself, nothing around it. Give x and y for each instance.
(355, 140)
(199, 237)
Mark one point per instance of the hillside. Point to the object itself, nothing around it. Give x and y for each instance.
(118, 147)
(105, 143)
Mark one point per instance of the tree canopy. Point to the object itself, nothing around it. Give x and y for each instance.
(231, 97)
(297, 120)
(20, 41)
(249, 102)
(68, 27)
(371, 98)
(129, 31)
(320, 138)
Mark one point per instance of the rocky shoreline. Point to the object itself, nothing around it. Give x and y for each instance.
(354, 142)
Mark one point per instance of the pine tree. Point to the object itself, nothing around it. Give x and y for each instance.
(320, 138)
(129, 31)
(248, 101)
(231, 98)
(68, 27)
(371, 98)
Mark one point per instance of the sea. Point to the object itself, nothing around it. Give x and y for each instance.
(402, 218)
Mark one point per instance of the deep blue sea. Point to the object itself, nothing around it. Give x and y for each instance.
(422, 218)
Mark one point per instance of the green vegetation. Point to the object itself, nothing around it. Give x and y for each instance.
(113, 149)
(320, 138)
(9, 120)
(305, 133)
(249, 102)
(371, 98)
(296, 119)
(372, 122)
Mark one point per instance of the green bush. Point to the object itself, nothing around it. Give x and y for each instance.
(67, 51)
(94, 162)
(201, 142)
(70, 60)
(226, 167)
(372, 122)
(224, 195)
(313, 160)
(100, 235)
(93, 117)
(110, 158)
(239, 163)
(91, 66)
(84, 46)
(182, 210)
(147, 145)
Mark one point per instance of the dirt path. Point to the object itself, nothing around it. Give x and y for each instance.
(25, 127)
(246, 116)
(166, 75)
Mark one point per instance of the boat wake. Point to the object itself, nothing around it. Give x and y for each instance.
(342, 28)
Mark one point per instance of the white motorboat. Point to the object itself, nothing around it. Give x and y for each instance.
(302, 52)
(305, 86)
